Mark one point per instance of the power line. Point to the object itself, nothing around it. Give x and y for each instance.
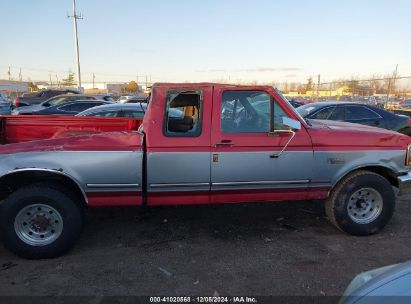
(365, 80)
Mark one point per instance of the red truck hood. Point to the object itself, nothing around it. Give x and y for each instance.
(344, 134)
(105, 141)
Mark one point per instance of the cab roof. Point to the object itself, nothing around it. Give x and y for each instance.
(205, 84)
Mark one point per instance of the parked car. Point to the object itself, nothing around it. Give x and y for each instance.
(385, 285)
(52, 102)
(5, 105)
(124, 98)
(261, 151)
(295, 103)
(105, 97)
(395, 103)
(71, 108)
(29, 99)
(137, 99)
(132, 110)
(3, 97)
(129, 110)
(357, 113)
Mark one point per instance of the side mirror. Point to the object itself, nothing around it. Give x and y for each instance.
(291, 123)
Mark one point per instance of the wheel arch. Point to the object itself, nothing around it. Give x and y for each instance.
(385, 172)
(18, 178)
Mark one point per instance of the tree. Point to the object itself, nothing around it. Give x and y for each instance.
(132, 87)
(310, 85)
(376, 84)
(293, 87)
(33, 87)
(69, 81)
(353, 86)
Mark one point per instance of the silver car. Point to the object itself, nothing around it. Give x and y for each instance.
(5, 105)
(386, 285)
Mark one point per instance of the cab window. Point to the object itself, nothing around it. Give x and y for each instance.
(249, 112)
(183, 114)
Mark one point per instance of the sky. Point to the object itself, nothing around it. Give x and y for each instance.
(206, 40)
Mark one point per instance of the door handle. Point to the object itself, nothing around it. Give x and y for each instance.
(224, 143)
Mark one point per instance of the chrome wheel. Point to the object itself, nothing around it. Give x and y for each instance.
(38, 224)
(365, 205)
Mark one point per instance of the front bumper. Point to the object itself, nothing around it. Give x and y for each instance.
(404, 184)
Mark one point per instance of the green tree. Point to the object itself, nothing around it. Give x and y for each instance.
(69, 81)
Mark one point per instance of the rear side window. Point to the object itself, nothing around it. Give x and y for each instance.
(359, 112)
(183, 114)
(133, 114)
(324, 113)
(79, 106)
(330, 113)
(105, 114)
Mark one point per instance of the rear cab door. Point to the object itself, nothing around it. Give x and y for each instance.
(178, 124)
(248, 164)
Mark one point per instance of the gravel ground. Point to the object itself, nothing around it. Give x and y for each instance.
(249, 249)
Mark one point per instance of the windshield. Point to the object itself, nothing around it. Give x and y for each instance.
(53, 101)
(307, 109)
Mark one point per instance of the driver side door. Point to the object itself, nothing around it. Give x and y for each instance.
(244, 162)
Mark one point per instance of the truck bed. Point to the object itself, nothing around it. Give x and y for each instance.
(15, 129)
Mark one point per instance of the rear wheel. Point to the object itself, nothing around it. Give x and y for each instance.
(40, 221)
(361, 204)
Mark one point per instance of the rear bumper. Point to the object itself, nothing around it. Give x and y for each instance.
(404, 184)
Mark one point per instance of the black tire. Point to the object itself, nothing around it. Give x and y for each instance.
(336, 206)
(48, 195)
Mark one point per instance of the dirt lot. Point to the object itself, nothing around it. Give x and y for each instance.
(260, 249)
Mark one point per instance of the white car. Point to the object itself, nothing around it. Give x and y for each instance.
(123, 99)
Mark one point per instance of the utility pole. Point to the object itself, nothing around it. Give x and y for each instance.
(75, 17)
(93, 79)
(51, 82)
(9, 74)
(57, 80)
(20, 76)
(146, 82)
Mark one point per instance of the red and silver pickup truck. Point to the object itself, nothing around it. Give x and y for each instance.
(197, 144)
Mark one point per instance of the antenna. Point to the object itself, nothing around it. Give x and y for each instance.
(75, 16)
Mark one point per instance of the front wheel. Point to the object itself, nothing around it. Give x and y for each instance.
(361, 204)
(40, 221)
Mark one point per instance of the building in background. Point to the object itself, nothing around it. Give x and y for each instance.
(11, 86)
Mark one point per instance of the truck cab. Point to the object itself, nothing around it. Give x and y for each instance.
(223, 146)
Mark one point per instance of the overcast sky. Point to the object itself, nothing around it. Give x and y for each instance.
(207, 40)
